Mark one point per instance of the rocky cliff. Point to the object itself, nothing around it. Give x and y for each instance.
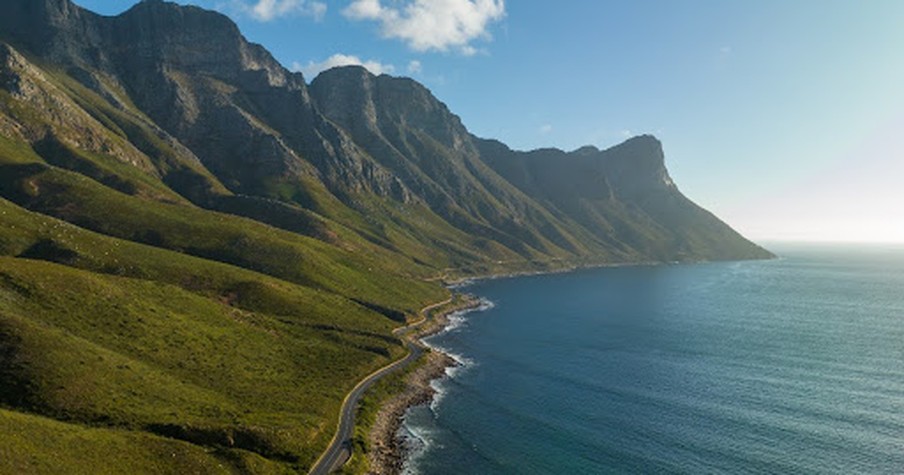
(378, 154)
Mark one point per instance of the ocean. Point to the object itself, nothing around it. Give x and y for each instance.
(794, 365)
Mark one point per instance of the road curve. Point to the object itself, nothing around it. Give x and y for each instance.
(340, 447)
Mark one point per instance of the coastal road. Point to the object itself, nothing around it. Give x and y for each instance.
(339, 450)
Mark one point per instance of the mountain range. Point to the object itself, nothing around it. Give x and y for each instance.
(202, 251)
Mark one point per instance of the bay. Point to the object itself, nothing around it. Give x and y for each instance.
(793, 365)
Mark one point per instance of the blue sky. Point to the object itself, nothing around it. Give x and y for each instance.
(785, 118)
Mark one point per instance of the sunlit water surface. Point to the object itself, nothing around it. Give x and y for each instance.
(793, 365)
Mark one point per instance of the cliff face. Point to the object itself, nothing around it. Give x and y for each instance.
(194, 74)
(623, 195)
(55, 29)
(415, 136)
(380, 155)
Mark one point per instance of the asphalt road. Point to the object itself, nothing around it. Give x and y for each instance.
(339, 450)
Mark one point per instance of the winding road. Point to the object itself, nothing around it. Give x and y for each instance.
(339, 450)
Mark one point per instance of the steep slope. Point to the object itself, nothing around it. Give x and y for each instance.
(401, 124)
(625, 196)
(111, 333)
(121, 201)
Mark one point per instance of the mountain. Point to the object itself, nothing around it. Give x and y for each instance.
(624, 196)
(201, 252)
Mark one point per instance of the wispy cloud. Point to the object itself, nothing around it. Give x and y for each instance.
(267, 10)
(312, 69)
(431, 25)
(415, 67)
(545, 129)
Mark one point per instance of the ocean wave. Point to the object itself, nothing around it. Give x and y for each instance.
(459, 319)
(461, 284)
(439, 393)
(416, 437)
(485, 304)
(456, 321)
(419, 439)
(462, 362)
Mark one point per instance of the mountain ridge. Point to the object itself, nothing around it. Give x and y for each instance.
(348, 133)
(240, 243)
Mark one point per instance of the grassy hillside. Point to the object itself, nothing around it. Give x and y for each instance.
(368, 276)
(137, 319)
(193, 349)
(147, 356)
(108, 333)
(38, 445)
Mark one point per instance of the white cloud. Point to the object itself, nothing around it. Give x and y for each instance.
(468, 50)
(432, 25)
(725, 50)
(267, 10)
(415, 67)
(545, 129)
(312, 69)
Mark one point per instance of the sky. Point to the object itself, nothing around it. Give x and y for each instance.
(784, 118)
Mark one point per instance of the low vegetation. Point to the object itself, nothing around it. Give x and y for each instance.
(137, 346)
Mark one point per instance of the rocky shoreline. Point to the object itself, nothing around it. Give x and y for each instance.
(387, 449)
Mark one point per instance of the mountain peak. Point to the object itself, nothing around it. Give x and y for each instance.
(586, 150)
(644, 140)
(640, 162)
(161, 19)
(191, 39)
(42, 26)
(399, 100)
(56, 7)
(351, 70)
(145, 6)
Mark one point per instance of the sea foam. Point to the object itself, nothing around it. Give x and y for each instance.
(419, 439)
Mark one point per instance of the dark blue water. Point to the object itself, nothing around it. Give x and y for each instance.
(786, 366)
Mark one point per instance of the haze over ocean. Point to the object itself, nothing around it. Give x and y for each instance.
(783, 366)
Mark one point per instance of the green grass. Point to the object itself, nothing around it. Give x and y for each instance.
(107, 170)
(17, 152)
(143, 355)
(221, 237)
(233, 351)
(38, 445)
(62, 242)
(366, 416)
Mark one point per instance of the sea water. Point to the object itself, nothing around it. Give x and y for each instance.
(794, 365)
